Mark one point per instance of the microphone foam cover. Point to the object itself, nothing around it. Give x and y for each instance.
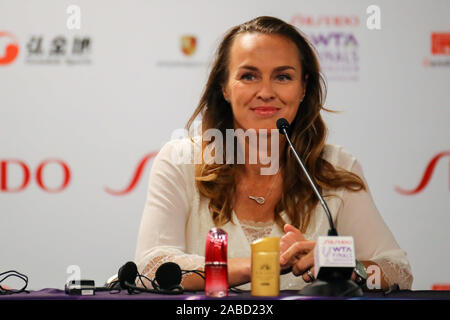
(282, 123)
(128, 272)
(168, 275)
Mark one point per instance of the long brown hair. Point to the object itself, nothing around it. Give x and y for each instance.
(308, 133)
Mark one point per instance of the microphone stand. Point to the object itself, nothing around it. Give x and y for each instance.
(336, 282)
(332, 231)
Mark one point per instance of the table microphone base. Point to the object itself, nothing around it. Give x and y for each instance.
(336, 288)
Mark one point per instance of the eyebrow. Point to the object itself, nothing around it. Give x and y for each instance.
(280, 68)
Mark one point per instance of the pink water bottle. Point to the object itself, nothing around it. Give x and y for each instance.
(216, 271)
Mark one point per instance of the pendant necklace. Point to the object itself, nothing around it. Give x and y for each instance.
(261, 200)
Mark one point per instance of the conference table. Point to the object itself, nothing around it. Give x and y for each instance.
(58, 294)
(236, 305)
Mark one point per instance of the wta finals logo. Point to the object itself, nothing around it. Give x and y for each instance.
(9, 48)
(335, 39)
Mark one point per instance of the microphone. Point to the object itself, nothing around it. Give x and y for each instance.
(127, 274)
(334, 259)
(168, 275)
(167, 279)
(284, 128)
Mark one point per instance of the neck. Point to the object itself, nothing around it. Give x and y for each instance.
(261, 155)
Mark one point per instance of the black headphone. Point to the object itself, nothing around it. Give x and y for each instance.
(13, 273)
(167, 278)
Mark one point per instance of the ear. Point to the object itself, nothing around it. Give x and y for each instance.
(305, 84)
(225, 93)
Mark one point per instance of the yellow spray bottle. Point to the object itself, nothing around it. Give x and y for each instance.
(266, 267)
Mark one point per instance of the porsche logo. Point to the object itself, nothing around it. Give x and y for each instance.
(188, 44)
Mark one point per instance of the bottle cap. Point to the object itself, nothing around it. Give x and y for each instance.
(269, 244)
(216, 246)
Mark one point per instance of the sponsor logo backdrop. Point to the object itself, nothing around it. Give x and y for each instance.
(84, 111)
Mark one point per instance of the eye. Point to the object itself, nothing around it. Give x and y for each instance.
(248, 76)
(284, 77)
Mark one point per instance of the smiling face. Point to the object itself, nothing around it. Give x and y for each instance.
(265, 80)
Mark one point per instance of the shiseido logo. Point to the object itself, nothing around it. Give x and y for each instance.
(14, 166)
(325, 20)
(54, 175)
(136, 177)
(9, 48)
(426, 176)
(23, 175)
(338, 241)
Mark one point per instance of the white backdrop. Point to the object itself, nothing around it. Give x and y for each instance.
(101, 98)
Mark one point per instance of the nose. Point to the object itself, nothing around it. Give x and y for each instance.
(266, 92)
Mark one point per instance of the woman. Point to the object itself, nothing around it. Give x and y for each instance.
(264, 70)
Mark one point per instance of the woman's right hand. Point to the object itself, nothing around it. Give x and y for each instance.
(239, 271)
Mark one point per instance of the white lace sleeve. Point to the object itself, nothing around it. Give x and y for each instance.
(360, 218)
(396, 269)
(163, 226)
(160, 255)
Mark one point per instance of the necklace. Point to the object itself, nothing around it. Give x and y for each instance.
(261, 200)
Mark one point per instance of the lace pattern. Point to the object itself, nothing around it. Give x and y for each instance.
(161, 255)
(256, 230)
(395, 272)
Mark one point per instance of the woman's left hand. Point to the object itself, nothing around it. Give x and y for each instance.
(297, 252)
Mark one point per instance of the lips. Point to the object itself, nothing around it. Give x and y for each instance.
(265, 111)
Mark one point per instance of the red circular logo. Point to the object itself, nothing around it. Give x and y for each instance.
(11, 49)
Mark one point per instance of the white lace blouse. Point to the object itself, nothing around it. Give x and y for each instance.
(176, 220)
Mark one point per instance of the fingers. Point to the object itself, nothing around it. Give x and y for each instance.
(286, 241)
(288, 227)
(302, 265)
(306, 277)
(295, 232)
(291, 236)
(296, 251)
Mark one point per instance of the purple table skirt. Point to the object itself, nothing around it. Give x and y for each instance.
(57, 294)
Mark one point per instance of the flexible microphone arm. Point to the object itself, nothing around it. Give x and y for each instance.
(283, 127)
